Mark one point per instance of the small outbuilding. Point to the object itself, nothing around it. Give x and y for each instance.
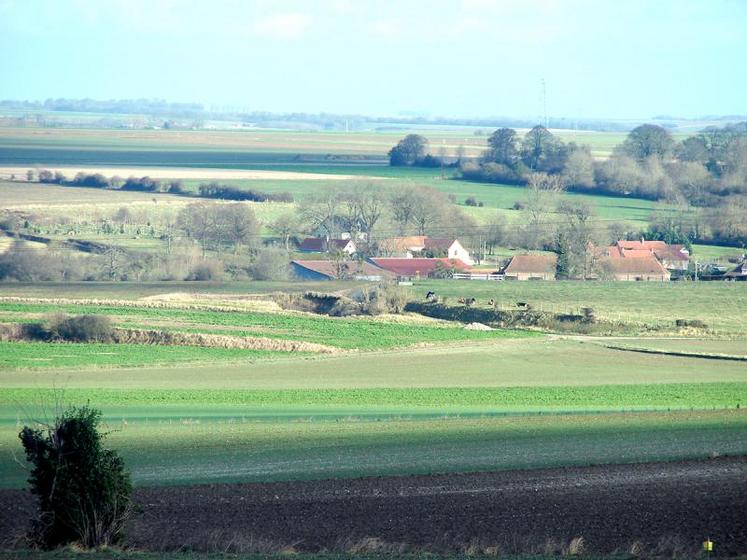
(531, 267)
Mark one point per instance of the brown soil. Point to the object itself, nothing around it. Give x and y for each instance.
(656, 508)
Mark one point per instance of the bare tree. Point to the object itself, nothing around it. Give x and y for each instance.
(285, 226)
(542, 192)
(319, 213)
(237, 226)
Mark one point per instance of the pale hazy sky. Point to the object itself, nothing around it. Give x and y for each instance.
(603, 58)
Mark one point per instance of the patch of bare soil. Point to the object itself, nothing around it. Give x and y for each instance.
(650, 509)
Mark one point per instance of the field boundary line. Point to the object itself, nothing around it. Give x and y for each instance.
(678, 353)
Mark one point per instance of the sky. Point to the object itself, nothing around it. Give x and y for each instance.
(449, 58)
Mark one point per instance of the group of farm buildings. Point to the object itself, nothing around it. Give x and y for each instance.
(402, 258)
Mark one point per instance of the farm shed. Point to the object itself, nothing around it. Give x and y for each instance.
(531, 267)
(416, 267)
(332, 270)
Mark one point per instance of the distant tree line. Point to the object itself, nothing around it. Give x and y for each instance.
(147, 184)
(649, 164)
(227, 192)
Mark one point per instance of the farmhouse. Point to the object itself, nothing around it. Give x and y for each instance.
(416, 267)
(334, 270)
(321, 245)
(531, 267)
(673, 257)
(415, 244)
(637, 268)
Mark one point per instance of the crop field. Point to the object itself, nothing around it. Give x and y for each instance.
(190, 450)
(367, 143)
(49, 355)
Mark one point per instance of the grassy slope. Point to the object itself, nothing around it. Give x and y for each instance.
(719, 304)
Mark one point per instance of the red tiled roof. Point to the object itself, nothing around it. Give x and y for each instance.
(648, 264)
(636, 253)
(416, 267)
(353, 268)
(641, 244)
(532, 264)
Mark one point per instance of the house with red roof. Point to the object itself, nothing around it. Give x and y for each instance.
(673, 257)
(417, 267)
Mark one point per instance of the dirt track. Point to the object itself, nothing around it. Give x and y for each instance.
(665, 507)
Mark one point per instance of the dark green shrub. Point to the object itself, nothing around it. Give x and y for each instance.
(83, 489)
(81, 328)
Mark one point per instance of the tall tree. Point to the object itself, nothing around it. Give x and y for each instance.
(542, 151)
(574, 241)
(408, 150)
(648, 140)
(503, 146)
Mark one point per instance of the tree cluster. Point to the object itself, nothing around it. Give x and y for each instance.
(227, 192)
(412, 151)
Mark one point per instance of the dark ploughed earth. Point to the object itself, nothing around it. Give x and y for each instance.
(664, 507)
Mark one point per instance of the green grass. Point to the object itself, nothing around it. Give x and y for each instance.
(430, 400)
(529, 362)
(21, 355)
(347, 333)
(184, 451)
(719, 304)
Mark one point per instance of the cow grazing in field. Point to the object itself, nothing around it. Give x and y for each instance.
(431, 296)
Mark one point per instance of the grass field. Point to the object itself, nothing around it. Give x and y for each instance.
(656, 305)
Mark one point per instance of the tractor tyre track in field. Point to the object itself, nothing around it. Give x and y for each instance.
(661, 506)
